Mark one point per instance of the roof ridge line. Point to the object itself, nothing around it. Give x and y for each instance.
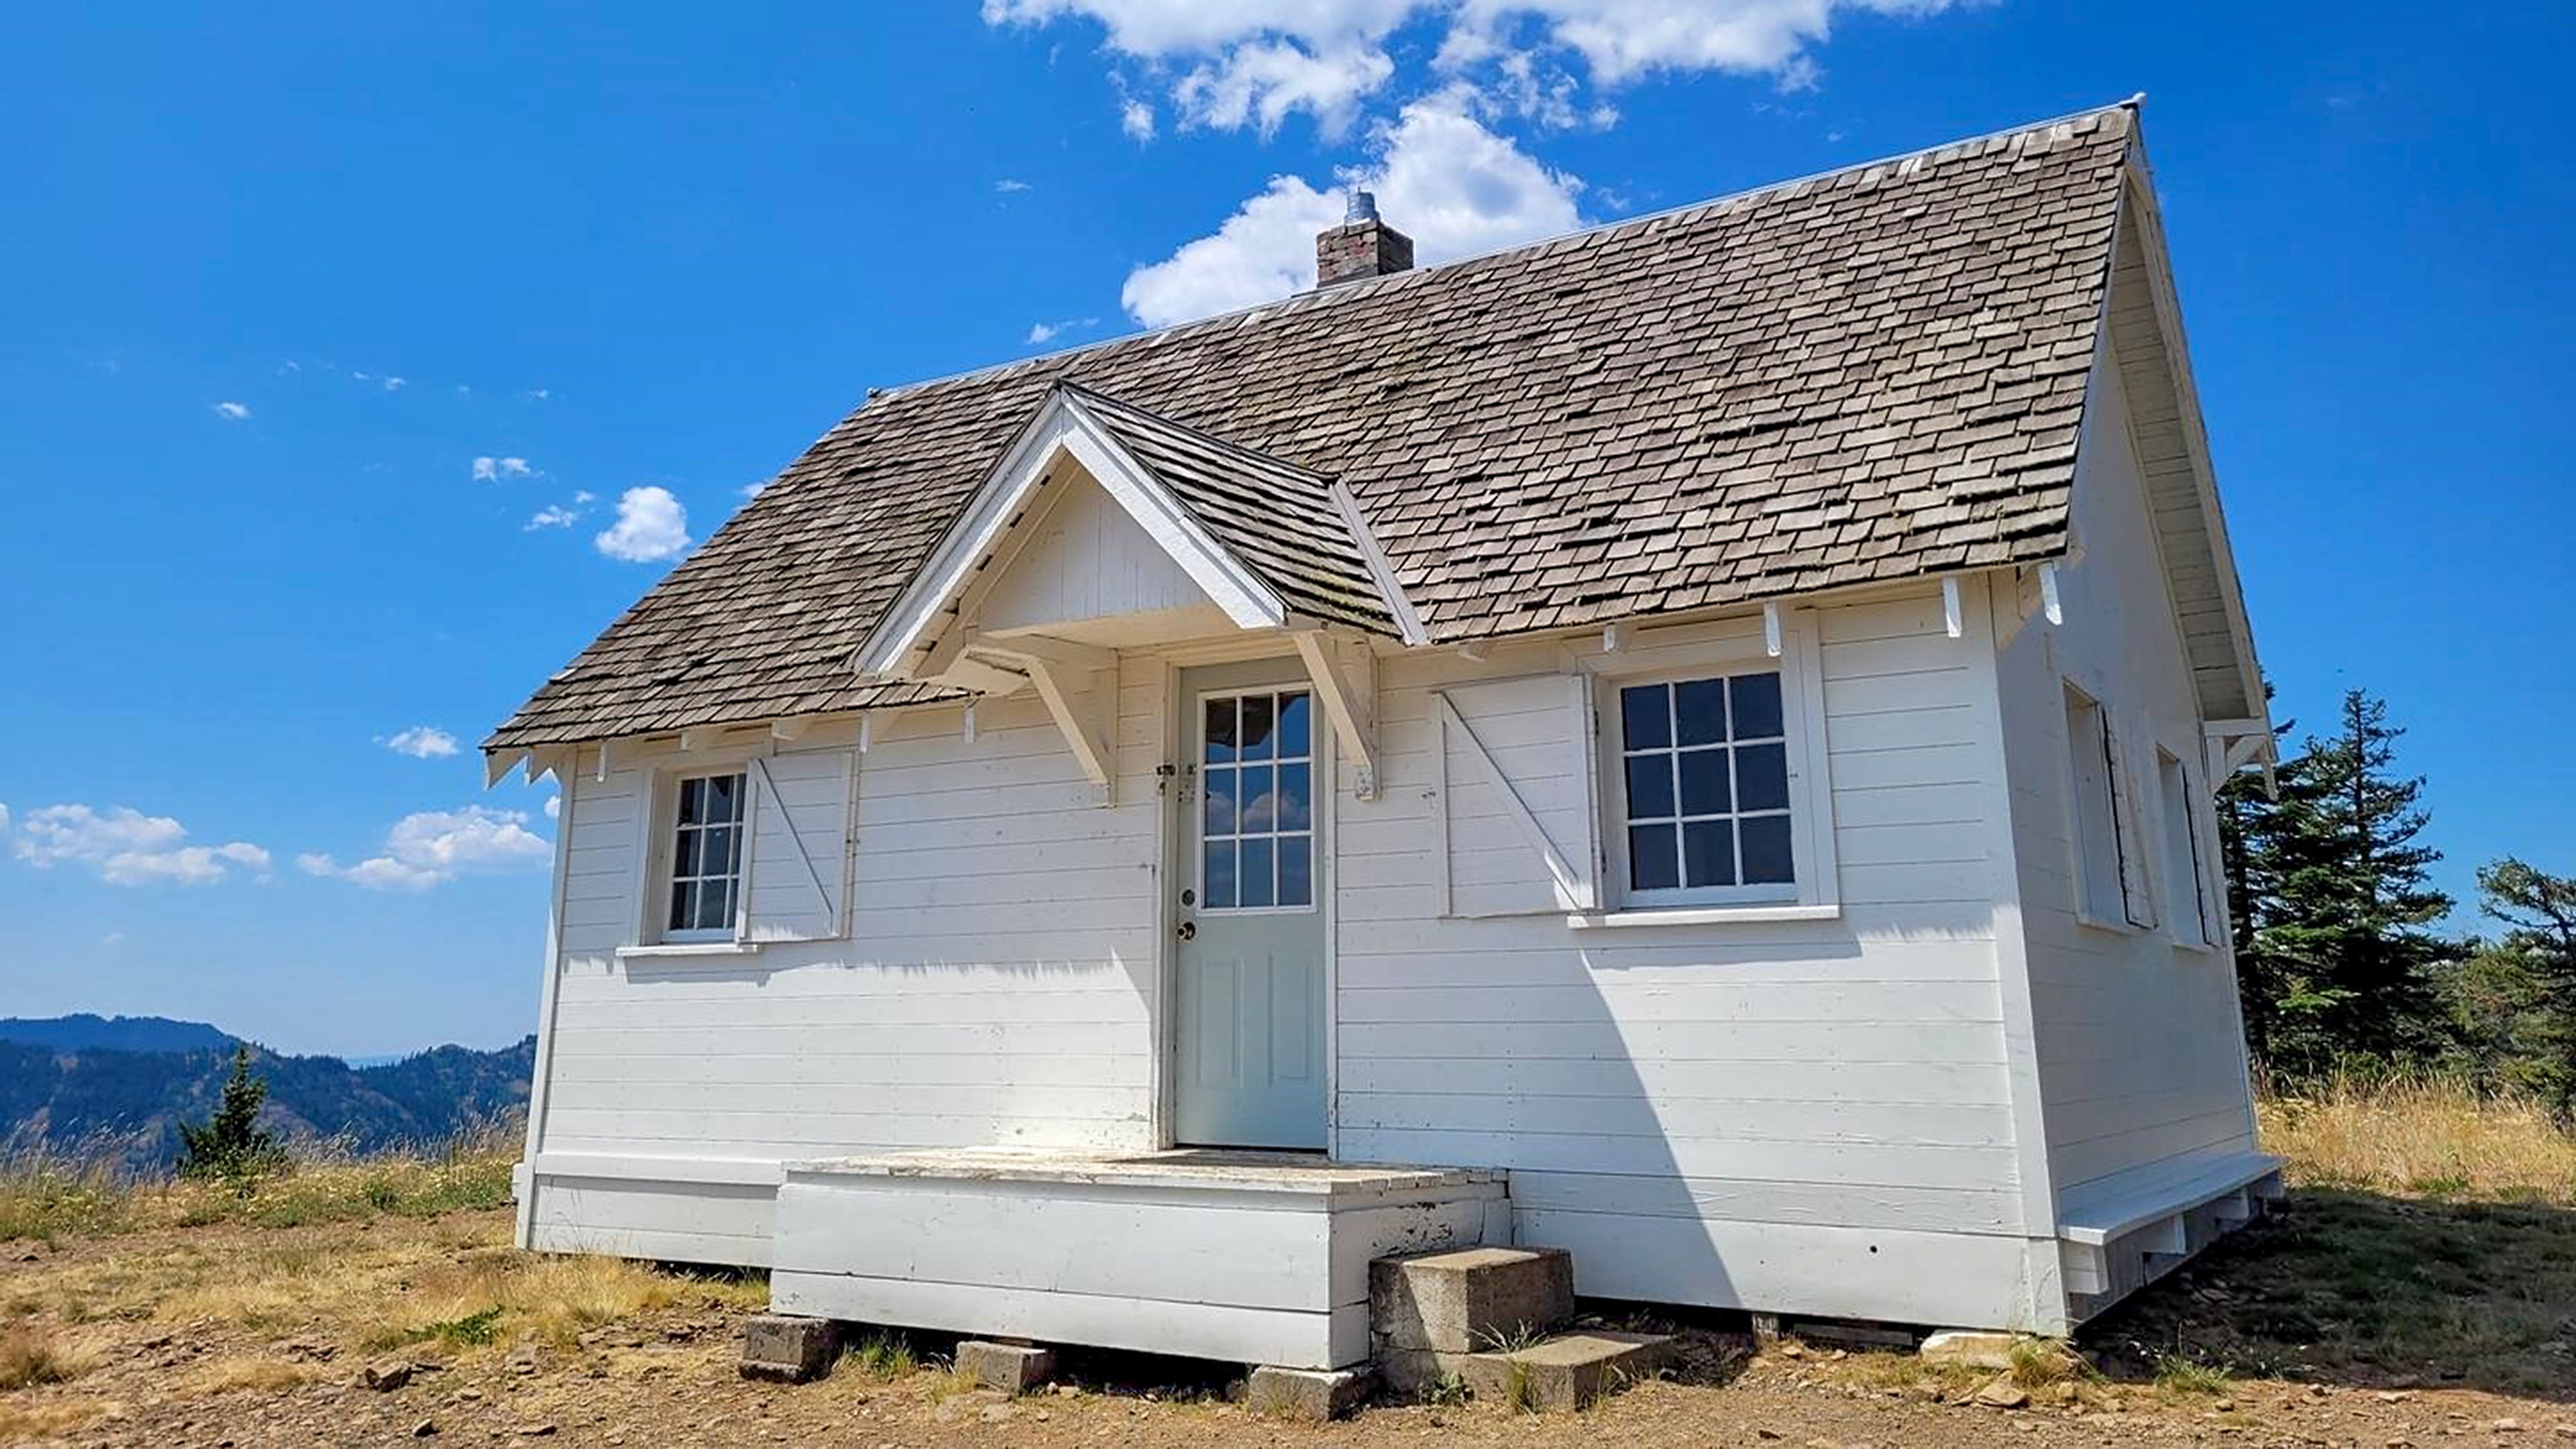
(1253, 454)
(1365, 286)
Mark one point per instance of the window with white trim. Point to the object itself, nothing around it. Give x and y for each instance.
(702, 897)
(1700, 805)
(2186, 880)
(2101, 869)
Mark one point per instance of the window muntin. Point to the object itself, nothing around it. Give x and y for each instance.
(2185, 888)
(1704, 778)
(1257, 801)
(706, 856)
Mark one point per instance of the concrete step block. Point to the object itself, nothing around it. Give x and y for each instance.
(790, 1350)
(1308, 1395)
(1466, 1300)
(1567, 1371)
(1014, 1368)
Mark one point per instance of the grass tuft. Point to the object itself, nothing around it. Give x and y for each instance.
(883, 1356)
(2422, 1137)
(2181, 1374)
(30, 1356)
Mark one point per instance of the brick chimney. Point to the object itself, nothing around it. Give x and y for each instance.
(1361, 247)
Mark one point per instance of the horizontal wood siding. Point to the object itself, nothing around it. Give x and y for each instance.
(993, 986)
(1681, 1104)
(2140, 1048)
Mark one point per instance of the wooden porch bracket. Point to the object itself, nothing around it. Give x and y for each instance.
(1348, 690)
(1079, 684)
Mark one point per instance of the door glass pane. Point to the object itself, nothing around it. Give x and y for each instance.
(1260, 808)
(1257, 739)
(1220, 730)
(1708, 852)
(1219, 812)
(1645, 719)
(1296, 797)
(1296, 732)
(1650, 786)
(1296, 870)
(1252, 881)
(1704, 787)
(1699, 709)
(1652, 862)
(1216, 887)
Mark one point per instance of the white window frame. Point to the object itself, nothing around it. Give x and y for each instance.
(2188, 899)
(664, 820)
(1814, 893)
(2120, 915)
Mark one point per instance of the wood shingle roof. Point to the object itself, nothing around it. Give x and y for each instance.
(1863, 376)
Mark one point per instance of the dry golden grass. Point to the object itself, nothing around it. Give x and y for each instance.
(249, 1372)
(53, 1196)
(2421, 1137)
(20, 1423)
(32, 1355)
(499, 1295)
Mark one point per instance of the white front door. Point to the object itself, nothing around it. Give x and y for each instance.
(1250, 980)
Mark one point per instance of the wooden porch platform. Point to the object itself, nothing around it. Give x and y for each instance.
(1255, 1257)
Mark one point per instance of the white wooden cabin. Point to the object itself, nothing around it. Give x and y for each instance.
(1668, 744)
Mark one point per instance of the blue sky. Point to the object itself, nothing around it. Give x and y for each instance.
(314, 312)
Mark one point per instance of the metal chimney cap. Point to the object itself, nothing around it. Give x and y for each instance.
(1363, 207)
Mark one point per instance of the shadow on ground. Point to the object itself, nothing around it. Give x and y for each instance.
(2368, 1291)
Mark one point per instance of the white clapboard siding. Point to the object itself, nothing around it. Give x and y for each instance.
(1675, 1099)
(2138, 1041)
(978, 969)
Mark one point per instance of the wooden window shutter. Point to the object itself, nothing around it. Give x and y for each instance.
(2136, 894)
(800, 845)
(1518, 817)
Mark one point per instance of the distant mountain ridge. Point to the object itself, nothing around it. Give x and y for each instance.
(69, 1085)
(86, 1031)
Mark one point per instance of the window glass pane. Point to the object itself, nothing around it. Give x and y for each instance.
(684, 905)
(1652, 863)
(723, 851)
(1296, 870)
(1645, 721)
(1756, 701)
(692, 801)
(1258, 741)
(1252, 882)
(715, 905)
(1296, 797)
(724, 797)
(1704, 787)
(1762, 777)
(1766, 850)
(1260, 809)
(1220, 730)
(1699, 707)
(684, 855)
(1708, 852)
(1296, 730)
(1216, 887)
(1650, 786)
(1219, 806)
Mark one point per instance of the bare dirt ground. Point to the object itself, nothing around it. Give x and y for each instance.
(242, 1335)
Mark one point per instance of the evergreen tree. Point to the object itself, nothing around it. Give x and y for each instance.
(232, 1145)
(2331, 901)
(2519, 994)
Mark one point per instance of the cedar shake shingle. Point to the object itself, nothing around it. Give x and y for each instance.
(1865, 376)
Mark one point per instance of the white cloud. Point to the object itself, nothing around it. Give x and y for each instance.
(754, 490)
(1010, 184)
(422, 742)
(493, 470)
(554, 807)
(585, 496)
(1045, 332)
(1256, 62)
(4, 817)
(112, 939)
(650, 525)
(127, 847)
(1440, 176)
(393, 384)
(553, 515)
(432, 846)
(232, 412)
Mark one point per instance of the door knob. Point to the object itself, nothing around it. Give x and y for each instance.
(1189, 930)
